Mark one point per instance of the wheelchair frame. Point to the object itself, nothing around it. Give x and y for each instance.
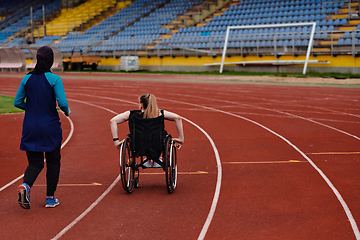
(129, 164)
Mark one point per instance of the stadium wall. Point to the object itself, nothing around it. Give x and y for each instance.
(340, 63)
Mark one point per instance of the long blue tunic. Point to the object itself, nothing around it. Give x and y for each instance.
(41, 126)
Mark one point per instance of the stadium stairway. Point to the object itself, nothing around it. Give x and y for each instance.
(342, 15)
(219, 12)
(147, 29)
(82, 16)
(198, 16)
(100, 32)
(16, 25)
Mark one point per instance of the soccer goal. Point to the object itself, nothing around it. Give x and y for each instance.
(311, 39)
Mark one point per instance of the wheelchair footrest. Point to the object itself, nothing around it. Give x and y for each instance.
(151, 163)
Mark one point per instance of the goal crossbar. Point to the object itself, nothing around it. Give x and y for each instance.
(269, 62)
(313, 24)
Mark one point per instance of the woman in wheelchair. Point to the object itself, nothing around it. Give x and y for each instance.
(148, 141)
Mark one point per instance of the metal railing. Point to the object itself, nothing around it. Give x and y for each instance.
(350, 13)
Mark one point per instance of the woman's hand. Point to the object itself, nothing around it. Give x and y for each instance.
(178, 142)
(118, 143)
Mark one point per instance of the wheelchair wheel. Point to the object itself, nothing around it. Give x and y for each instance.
(170, 164)
(127, 167)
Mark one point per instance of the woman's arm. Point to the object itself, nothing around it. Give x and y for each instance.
(59, 91)
(120, 118)
(61, 96)
(19, 100)
(179, 127)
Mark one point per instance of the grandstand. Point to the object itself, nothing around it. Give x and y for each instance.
(188, 34)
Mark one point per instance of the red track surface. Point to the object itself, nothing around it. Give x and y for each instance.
(256, 129)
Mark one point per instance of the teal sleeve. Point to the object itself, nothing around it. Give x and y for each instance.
(19, 101)
(56, 82)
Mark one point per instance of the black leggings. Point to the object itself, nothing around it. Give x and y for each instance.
(36, 164)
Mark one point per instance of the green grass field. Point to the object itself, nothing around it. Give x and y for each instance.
(7, 105)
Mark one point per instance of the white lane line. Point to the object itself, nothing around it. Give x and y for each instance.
(87, 103)
(219, 175)
(98, 200)
(327, 180)
(319, 123)
(281, 112)
(336, 192)
(218, 183)
(12, 182)
(62, 146)
(70, 134)
(93, 205)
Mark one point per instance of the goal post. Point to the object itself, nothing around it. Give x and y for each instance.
(313, 24)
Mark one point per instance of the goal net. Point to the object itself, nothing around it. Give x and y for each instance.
(230, 29)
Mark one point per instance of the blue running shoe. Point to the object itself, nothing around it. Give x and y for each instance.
(24, 195)
(51, 202)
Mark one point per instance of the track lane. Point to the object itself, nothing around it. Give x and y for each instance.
(257, 225)
(275, 151)
(42, 223)
(164, 201)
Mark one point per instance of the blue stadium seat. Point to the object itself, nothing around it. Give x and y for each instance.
(305, 43)
(348, 41)
(298, 42)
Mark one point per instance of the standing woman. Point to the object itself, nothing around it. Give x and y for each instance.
(41, 132)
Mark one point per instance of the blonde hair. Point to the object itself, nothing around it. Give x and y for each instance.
(149, 104)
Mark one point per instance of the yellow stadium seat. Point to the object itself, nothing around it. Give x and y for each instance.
(75, 17)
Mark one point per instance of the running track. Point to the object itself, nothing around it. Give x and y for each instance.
(259, 162)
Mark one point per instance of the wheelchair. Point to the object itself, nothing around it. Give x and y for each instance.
(148, 140)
